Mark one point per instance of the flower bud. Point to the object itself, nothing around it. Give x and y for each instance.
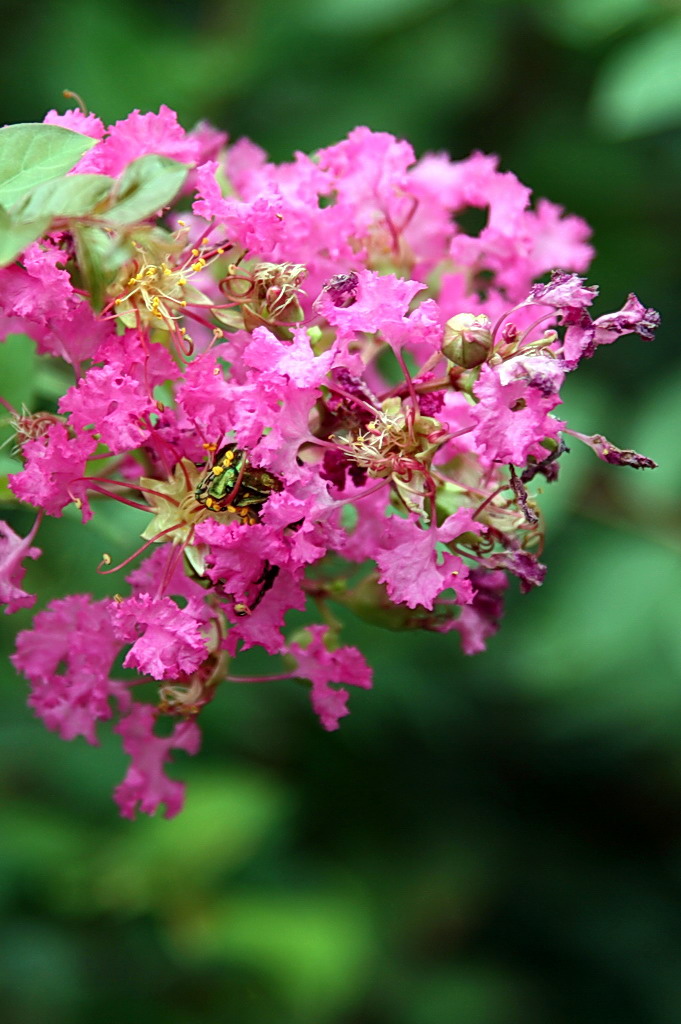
(468, 340)
(609, 452)
(342, 289)
(369, 601)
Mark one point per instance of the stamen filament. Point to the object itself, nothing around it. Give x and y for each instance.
(117, 497)
(157, 536)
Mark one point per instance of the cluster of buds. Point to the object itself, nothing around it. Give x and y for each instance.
(278, 386)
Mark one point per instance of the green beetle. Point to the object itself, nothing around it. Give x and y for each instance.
(233, 485)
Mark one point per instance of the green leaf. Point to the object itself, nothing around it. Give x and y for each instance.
(146, 186)
(18, 362)
(311, 944)
(33, 153)
(99, 258)
(353, 16)
(584, 22)
(6, 496)
(16, 235)
(654, 431)
(598, 618)
(74, 196)
(226, 821)
(639, 90)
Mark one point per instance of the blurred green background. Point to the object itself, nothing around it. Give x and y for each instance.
(485, 841)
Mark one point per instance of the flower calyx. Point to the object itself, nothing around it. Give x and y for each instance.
(398, 444)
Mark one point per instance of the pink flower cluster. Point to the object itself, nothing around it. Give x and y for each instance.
(316, 387)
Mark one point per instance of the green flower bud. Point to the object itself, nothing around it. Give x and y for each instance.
(468, 340)
(369, 601)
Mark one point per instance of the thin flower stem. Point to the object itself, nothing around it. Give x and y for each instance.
(526, 332)
(323, 443)
(488, 499)
(235, 490)
(455, 433)
(420, 389)
(199, 319)
(394, 233)
(358, 497)
(407, 220)
(332, 386)
(504, 316)
(407, 376)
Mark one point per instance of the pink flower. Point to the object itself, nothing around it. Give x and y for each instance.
(272, 388)
(382, 302)
(138, 135)
(67, 657)
(53, 475)
(38, 290)
(322, 666)
(145, 785)
(256, 225)
(167, 641)
(584, 335)
(294, 359)
(38, 298)
(115, 405)
(209, 401)
(512, 418)
(76, 121)
(557, 240)
(369, 167)
(263, 624)
(241, 561)
(481, 618)
(412, 566)
(132, 354)
(564, 291)
(13, 550)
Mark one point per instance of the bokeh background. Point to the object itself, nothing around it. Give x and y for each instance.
(485, 841)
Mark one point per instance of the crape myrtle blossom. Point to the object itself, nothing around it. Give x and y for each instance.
(13, 550)
(312, 385)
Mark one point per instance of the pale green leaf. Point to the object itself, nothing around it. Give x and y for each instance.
(225, 821)
(73, 196)
(584, 22)
(99, 258)
(313, 943)
(639, 90)
(17, 371)
(352, 16)
(146, 186)
(654, 431)
(16, 235)
(6, 496)
(33, 153)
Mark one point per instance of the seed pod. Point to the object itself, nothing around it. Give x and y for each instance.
(468, 340)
